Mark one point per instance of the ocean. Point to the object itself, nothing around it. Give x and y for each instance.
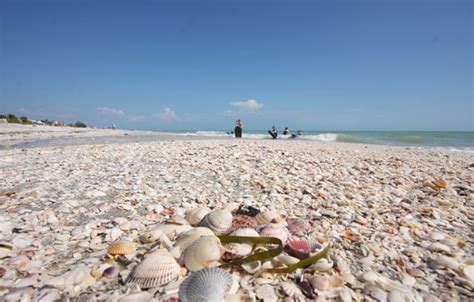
(461, 140)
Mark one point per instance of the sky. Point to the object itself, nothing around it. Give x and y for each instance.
(200, 65)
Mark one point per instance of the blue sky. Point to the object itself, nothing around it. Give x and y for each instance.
(319, 65)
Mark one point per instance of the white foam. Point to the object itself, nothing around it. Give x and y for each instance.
(323, 137)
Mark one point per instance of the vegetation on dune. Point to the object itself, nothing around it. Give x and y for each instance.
(11, 118)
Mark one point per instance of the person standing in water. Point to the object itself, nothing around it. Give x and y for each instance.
(238, 128)
(286, 131)
(273, 132)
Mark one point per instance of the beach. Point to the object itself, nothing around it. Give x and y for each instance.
(398, 220)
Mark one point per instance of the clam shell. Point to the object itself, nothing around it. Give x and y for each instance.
(121, 247)
(187, 238)
(322, 283)
(239, 250)
(275, 230)
(111, 272)
(243, 222)
(195, 216)
(209, 284)
(169, 230)
(266, 293)
(203, 252)
(269, 217)
(252, 267)
(299, 248)
(219, 221)
(157, 269)
(298, 226)
(291, 289)
(322, 265)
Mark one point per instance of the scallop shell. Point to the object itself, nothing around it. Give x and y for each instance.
(121, 247)
(203, 252)
(299, 248)
(321, 283)
(239, 250)
(291, 289)
(219, 221)
(275, 230)
(169, 230)
(298, 226)
(243, 222)
(269, 217)
(209, 284)
(195, 216)
(266, 293)
(157, 269)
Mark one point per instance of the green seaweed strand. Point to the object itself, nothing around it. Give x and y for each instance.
(265, 255)
(301, 264)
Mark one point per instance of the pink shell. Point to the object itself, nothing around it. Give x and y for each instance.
(299, 248)
(243, 222)
(298, 226)
(275, 230)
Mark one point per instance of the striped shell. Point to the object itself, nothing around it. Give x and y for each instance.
(239, 250)
(121, 247)
(299, 248)
(275, 230)
(269, 217)
(203, 252)
(219, 221)
(209, 284)
(194, 216)
(243, 222)
(298, 226)
(157, 269)
(291, 289)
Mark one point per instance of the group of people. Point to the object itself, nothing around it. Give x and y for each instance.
(273, 132)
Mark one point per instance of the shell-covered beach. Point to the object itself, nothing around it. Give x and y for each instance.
(398, 221)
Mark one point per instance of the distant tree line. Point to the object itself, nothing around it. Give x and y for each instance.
(11, 118)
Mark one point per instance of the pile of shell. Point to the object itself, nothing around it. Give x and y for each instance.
(179, 259)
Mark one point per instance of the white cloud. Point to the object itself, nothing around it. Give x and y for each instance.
(249, 104)
(107, 110)
(167, 115)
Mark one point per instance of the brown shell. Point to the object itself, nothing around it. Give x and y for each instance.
(121, 247)
(243, 222)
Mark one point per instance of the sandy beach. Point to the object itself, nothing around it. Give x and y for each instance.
(399, 221)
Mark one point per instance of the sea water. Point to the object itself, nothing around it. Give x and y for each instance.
(461, 140)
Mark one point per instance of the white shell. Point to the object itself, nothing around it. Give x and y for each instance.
(203, 252)
(219, 221)
(241, 249)
(269, 217)
(468, 272)
(158, 268)
(187, 238)
(291, 289)
(449, 262)
(266, 293)
(195, 216)
(322, 265)
(252, 267)
(209, 284)
(275, 230)
(169, 230)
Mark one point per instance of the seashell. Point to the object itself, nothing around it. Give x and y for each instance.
(247, 210)
(468, 272)
(219, 221)
(209, 284)
(121, 247)
(299, 248)
(269, 217)
(298, 226)
(3, 271)
(322, 265)
(440, 183)
(243, 222)
(195, 216)
(291, 289)
(231, 207)
(415, 272)
(252, 267)
(157, 269)
(169, 230)
(369, 277)
(439, 247)
(266, 293)
(204, 252)
(239, 250)
(322, 283)
(275, 230)
(376, 293)
(437, 236)
(447, 262)
(136, 297)
(286, 259)
(395, 296)
(187, 238)
(111, 272)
